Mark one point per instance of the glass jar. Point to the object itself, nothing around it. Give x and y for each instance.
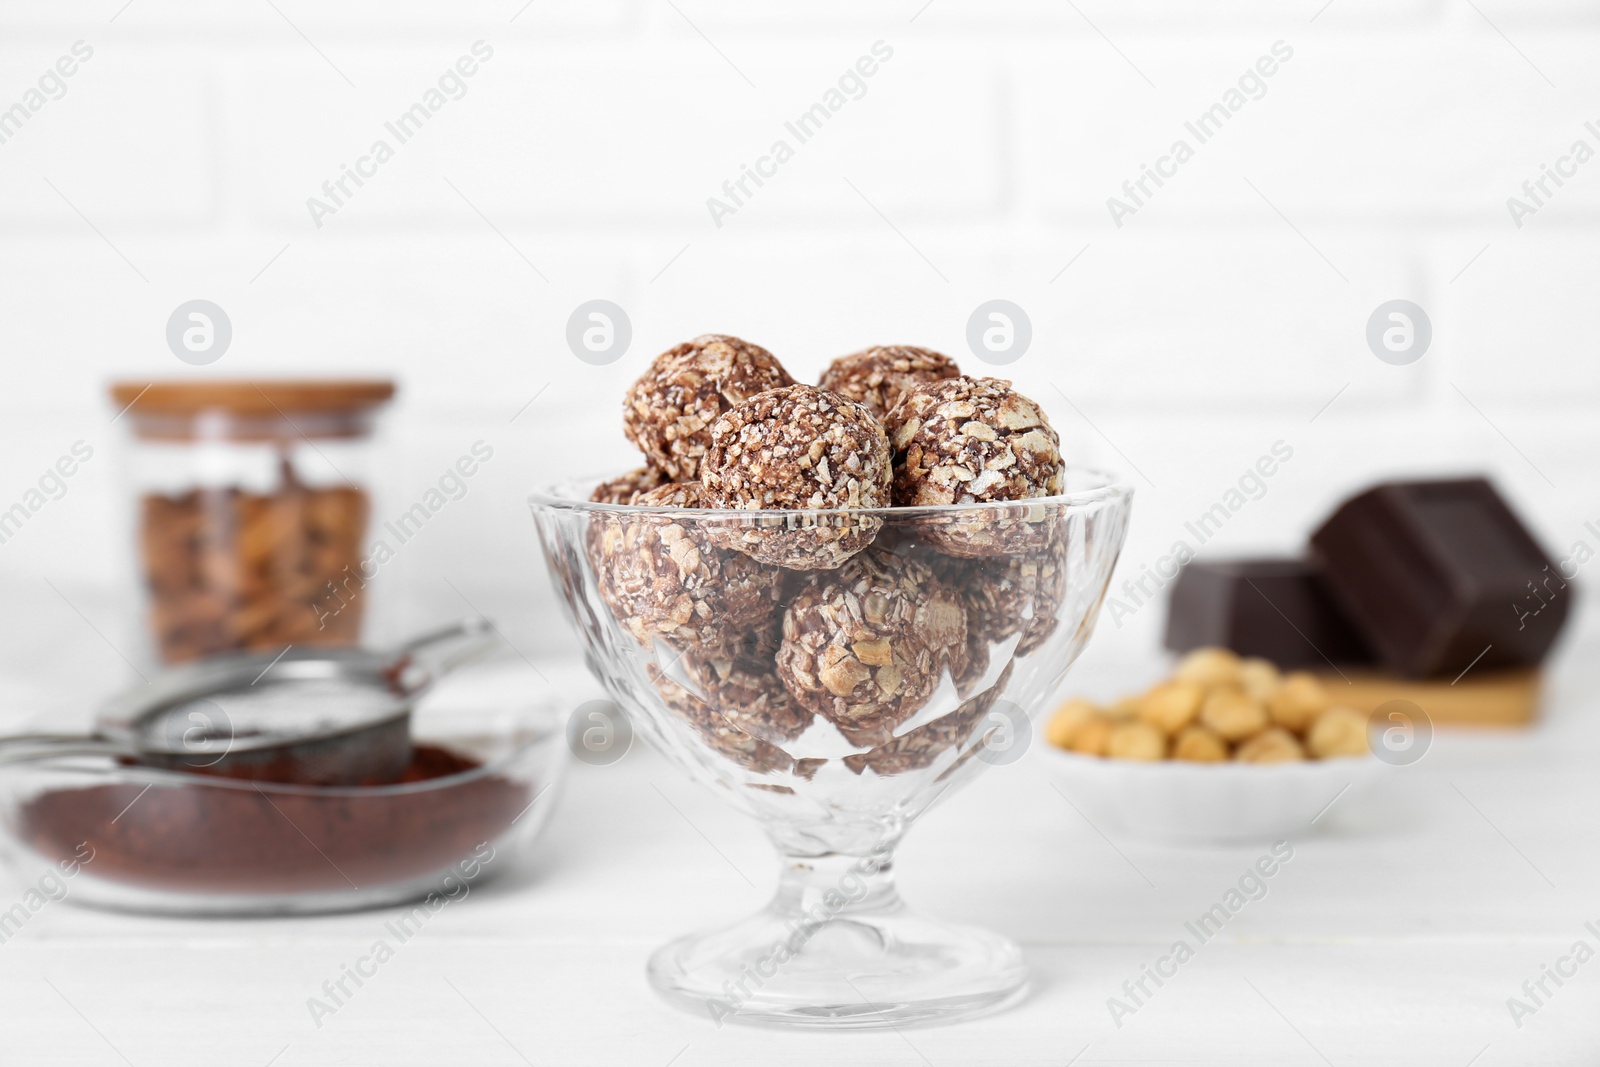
(250, 506)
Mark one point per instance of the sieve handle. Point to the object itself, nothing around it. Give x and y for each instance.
(23, 748)
(420, 662)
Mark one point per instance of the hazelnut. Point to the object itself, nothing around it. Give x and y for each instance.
(1272, 745)
(1125, 708)
(1338, 731)
(1136, 740)
(1298, 701)
(1209, 667)
(1092, 738)
(1233, 713)
(1172, 705)
(1199, 745)
(1259, 677)
(1067, 721)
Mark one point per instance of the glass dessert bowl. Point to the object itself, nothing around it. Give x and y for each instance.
(833, 673)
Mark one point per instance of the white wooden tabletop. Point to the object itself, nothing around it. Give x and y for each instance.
(1396, 935)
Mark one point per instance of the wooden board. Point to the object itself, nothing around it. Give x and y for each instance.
(1493, 698)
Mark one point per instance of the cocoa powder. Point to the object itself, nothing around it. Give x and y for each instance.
(239, 839)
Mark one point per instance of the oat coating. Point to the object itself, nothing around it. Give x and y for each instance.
(668, 412)
(877, 377)
(798, 447)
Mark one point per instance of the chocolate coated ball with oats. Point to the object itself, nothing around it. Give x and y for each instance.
(974, 440)
(865, 645)
(718, 731)
(968, 664)
(668, 412)
(919, 748)
(1011, 594)
(625, 488)
(798, 447)
(662, 578)
(877, 377)
(742, 685)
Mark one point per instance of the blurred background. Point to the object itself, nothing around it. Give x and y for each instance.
(1176, 339)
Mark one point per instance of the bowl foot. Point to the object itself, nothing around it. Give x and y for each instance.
(839, 964)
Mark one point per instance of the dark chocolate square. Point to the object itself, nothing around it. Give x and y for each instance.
(1274, 608)
(1441, 576)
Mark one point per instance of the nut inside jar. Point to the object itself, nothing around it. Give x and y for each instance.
(233, 570)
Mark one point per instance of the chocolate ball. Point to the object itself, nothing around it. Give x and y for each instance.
(798, 447)
(661, 577)
(1011, 594)
(742, 684)
(717, 731)
(971, 440)
(877, 377)
(865, 645)
(974, 440)
(970, 663)
(625, 488)
(919, 748)
(668, 412)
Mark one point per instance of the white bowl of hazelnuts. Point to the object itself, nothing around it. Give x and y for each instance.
(1225, 750)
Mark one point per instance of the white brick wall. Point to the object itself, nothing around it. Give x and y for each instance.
(1193, 337)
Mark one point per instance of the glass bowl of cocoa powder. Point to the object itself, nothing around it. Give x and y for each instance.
(479, 789)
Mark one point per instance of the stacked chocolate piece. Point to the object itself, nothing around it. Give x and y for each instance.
(1430, 591)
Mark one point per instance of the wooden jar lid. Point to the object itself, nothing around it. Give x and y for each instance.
(262, 409)
(266, 396)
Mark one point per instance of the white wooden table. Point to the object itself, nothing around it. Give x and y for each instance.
(1396, 935)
